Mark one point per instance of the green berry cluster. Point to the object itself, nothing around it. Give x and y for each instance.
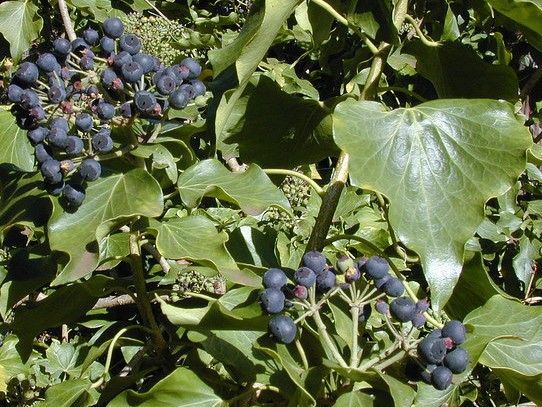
(21, 390)
(157, 35)
(192, 281)
(297, 192)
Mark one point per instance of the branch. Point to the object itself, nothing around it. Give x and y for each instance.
(70, 32)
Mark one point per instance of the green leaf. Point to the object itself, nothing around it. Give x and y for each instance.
(15, 148)
(455, 70)
(69, 393)
(237, 61)
(528, 15)
(354, 399)
(21, 25)
(473, 289)
(438, 163)
(62, 358)
(251, 190)
(195, 238)
(180, 388)
(529, 251)
(109, 201)
(403, 395)
(65, 305)
(276, 129)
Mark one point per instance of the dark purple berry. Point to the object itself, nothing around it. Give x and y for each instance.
(50, 170)
(325, 280)
(199, 87)
(282, 329)
(382, 307)
(394, 287)
(42, 153)
(131, 71)
(27, 73)
(86, 63)
(121, 58)
(456, 331)
(90, 169)
(274, 278)
(56, 94)
(47, 62)
(315, 260)
(419, 320)
(193, 66)
(108, 76)
(403, 309)
(84, 122)
(130, 43)
(105, 111)
(365, 313)
(166, 85)
(91, 36)
(102, 142)
(441, 377)
(113, 27)
(74, 145)
(377, 267)
(457, 359)
(59, 122)
(61, 47)
(74, 195)
(144, 101)
(57, 137)
(179, 99)
(37, 135)
(305, 276)
(107, 44)
(15, 93)
(432, 349)
(272, 300)
(146, 61)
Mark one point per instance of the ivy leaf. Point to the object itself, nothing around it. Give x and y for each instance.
(21, 25)
(276, 129)
(195, 238)
(109, 201)
(182, 387)
(438, 163)
(14, 145)
(455, 70)
(251, 190)
(516, 359)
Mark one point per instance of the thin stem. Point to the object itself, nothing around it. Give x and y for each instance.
(426, 41)
(110, 349)
(302, 354)
(143, 304)
(308, 180)
(354, 361)
(404, 90)
(375, 72)
(65, 14)
(383, 355)
(345, 22)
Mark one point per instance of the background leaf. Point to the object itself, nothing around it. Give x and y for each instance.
(109, 201)
(14, 145)
(455, 70)
(276, 129)
(251, 190)
(195, 238)
(180, 388)
(437, 163)
(21, 25)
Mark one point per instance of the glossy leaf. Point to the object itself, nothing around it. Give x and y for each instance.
(434, 164)
(14, 145)
(195, 238)
(68, 393)
(109, 201)
(403, 395)
(275, 129)
(455, 70)
(180, 388)
(21, 25)
(251, 190)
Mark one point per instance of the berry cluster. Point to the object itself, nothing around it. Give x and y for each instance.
(194, 282)
(440, 355)
(70, 98)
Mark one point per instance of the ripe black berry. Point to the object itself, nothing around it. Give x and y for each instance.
(37, 135)
(14, 93)
(56, 93)
(61, 47)
(441, 377)
(144, 101)
(199, 87)
(179, 99)
(27, 73)
(193, 66)
(59, 122)
(130, 43)
(305, 276)
(376, 267)
(394, 287)
(42, 153)
(86, 63)
(47, 62)
(131, 71)
(166, 84)
(419, 320)
(113, 27)
(456, 331)
(57, 137)
(83, 122)
(272, 300)
(74, 195)
(102, 142)
(282, 329)
(274, 278)
(121, 58)
(108, 76)
(90, 169)
(403, 309)
(382, 306)
(432, 349)
(74, 145)
(314, 260)
(105, 111)
(146, 61)
(325, 279)
(107, 44)
(457, 359)
(50, 170)
(91, 36)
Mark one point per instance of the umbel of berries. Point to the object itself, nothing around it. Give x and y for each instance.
(68, 100)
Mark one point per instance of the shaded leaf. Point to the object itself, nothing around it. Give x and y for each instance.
(180, 388)
(455, 70)
(21, 25)
(275, 129)
(403, 395)
(437, 163)
(109, 201)
(251, 190)
(68, 393)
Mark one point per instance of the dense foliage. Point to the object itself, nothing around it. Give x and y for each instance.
(277, 202)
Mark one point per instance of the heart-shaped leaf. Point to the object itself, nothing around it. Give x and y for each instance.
(438, 163)
(21, 25)
(108, 200)
(14, 145)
